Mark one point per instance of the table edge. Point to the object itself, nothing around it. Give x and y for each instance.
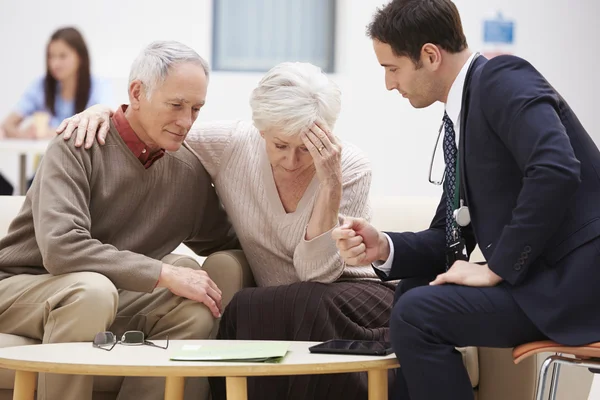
(251, 369)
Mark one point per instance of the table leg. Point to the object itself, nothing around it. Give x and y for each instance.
(24, 385)
(237, 388)
(22, 174)
(378, 384)
(174, 386)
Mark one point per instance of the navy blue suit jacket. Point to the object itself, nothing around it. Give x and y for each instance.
(532, 184)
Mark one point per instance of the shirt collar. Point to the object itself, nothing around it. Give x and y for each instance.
(131, 139)
(454, 102)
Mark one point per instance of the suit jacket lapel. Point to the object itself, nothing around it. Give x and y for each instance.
(464, 111)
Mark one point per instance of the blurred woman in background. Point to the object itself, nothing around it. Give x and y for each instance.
(68, 88)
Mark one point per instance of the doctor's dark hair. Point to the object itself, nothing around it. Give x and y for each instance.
(407, 25)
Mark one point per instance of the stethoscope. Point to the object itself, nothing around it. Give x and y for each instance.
(462, 216)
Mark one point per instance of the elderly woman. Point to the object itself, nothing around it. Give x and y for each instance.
(284, 180)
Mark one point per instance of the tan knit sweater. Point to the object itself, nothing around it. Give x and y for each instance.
(274, 241)
(102, 211)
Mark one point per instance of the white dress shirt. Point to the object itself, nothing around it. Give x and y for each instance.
(453, 108)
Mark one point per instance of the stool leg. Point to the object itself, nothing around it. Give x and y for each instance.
(23, 174)
(554, 382)
(539, 393)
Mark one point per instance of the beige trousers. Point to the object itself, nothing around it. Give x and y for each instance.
(74, 307)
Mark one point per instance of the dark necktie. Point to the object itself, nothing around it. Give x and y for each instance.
(450, 153)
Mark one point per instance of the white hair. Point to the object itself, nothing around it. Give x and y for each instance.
(292, 96)
(152, 65)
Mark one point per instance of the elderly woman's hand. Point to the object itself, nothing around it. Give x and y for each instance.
(326, 152)
(95, 121)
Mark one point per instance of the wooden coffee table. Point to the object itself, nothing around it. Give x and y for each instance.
(83, 359)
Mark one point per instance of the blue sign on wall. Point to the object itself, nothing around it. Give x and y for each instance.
(498, 30)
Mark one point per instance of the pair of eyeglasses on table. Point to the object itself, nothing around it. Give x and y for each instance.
(108, 340)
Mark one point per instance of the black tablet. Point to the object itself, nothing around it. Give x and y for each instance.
(359, 347)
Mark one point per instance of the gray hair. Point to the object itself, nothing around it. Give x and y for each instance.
(152, 65)
(292, 96)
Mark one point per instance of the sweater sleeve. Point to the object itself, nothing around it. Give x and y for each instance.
(318, 259)
(60, 207)
(209, 140)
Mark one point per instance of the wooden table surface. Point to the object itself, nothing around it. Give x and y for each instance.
(84, 359)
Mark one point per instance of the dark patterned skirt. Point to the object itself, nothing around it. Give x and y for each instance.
(308, 311)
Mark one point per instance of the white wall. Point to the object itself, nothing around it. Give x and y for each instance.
(558, 36)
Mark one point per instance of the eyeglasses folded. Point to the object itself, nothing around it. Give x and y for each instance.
(107, 340)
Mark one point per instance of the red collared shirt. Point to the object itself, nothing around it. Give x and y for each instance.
(131, 139)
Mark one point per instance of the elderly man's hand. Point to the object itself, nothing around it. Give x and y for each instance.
(468, 274)
(193, 284)
(95, 121)
(360, 243)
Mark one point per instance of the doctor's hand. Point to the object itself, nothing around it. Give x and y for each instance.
(468, 274)
(88, 124)
(360, 243)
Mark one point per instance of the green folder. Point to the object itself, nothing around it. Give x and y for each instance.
(269, 352)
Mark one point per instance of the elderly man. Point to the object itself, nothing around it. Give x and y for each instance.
(83, 255)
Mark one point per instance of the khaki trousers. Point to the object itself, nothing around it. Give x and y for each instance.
(74, 307)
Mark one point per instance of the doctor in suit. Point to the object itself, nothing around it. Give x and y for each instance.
(522, 181)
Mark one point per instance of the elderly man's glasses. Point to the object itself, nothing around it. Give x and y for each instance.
(107, 340)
